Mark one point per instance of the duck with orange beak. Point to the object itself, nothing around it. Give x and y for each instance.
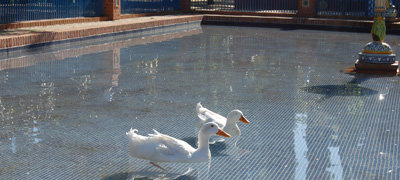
(159, 147)
(228, 124)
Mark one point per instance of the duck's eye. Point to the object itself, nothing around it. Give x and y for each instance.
(212, 125)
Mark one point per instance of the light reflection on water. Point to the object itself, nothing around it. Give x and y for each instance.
(64, 111)
(336, 168)
(300, 145)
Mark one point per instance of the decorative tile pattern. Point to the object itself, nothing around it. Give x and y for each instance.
(377, 58)
(377, 47)
(377, 52)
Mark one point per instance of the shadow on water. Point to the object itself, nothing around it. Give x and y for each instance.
(351, 88)
(215, 149)
(340, 90)
(185, 177)
(117, 176)
(142, 176)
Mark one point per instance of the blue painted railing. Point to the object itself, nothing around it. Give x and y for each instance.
(267, 6)
(397, 4)
(148, 6)
(355, 8)
(27, 10)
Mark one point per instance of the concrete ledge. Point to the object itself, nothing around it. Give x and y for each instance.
(392, 26)
(322, 23)
(43, 34)
(49, 22)
(245, 13)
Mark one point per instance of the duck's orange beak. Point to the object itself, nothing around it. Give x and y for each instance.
(223, 133)
(243, 119)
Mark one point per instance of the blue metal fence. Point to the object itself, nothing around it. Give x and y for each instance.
(27, 10)
(148, 6)
(397, 4)
(343, 8)
(356, 8)
(268, 6)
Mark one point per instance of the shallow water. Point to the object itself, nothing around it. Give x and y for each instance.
(65, 108)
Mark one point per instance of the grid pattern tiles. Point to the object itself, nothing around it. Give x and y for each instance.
(66, 117)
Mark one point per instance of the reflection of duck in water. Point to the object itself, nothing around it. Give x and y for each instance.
(158, 147)
(188, 171)
(147, 173)
(237, 152)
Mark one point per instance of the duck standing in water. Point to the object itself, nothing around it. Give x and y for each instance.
(228, 124)
(159, 147)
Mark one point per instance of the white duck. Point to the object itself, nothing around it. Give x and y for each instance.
(159, 147)
(228, 124)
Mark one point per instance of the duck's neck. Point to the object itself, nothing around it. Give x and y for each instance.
(202, 152)
(231, 127)
(203, 142)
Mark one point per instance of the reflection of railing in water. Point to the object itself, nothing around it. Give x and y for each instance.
(41, 107)
(149, 67)
(25, 61)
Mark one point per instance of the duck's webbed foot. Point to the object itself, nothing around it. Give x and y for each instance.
(156, 165)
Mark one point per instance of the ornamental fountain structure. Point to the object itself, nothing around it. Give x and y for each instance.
(377, 56)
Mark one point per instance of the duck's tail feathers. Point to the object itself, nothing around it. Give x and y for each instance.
(155, 132)
(135, 139)
(132, 132)
(198, 107)
(200, 112)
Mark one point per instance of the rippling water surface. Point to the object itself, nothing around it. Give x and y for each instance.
(65, 108)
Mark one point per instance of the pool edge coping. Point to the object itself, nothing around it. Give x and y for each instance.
(112, 27)
(41, 37)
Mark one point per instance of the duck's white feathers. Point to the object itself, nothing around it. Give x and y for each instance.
(207, 115)
(173, 143)
(158, 147)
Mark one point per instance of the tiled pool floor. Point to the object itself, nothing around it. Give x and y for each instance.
(64, 109)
